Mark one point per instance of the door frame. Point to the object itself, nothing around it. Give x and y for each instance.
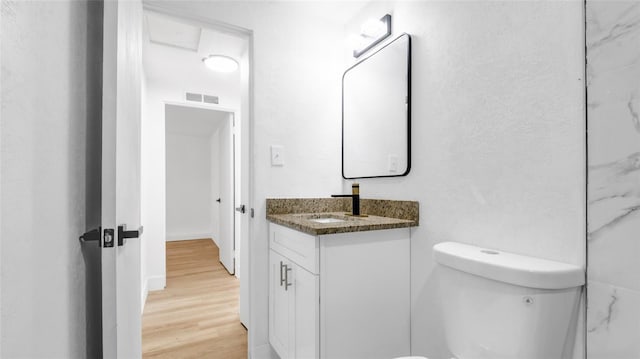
(250, 137)
(236, 158)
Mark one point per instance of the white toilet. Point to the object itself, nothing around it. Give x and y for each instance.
(499, 305)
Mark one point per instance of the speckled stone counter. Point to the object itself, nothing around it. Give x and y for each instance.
(298, 214)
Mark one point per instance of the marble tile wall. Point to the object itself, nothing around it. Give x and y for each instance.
(613, 122)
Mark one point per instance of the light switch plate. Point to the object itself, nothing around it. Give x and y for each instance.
(277, 155)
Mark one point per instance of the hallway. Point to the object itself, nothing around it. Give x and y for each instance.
(196, 316)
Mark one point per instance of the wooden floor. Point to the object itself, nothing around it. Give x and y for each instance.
(196, 316)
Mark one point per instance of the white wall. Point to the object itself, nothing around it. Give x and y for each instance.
(498, 136)
(46, 109)
(188, 186)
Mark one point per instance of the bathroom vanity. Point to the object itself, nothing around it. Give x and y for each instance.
(339, 286)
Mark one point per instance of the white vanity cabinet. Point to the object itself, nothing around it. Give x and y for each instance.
(293, 309)
(339, 296)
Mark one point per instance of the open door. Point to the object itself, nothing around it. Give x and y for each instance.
(226, 241)
(120, 245)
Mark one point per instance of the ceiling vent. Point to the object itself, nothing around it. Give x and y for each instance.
(196, 97)
(210, 99)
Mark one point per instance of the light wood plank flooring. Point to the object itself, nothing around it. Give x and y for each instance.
(196, 316)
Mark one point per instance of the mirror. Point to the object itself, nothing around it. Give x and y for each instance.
(376, 113)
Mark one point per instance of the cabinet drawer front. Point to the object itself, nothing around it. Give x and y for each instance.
(299, 247)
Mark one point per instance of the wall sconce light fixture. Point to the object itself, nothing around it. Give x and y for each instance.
(371, 33)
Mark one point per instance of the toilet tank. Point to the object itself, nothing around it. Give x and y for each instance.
(499, 305)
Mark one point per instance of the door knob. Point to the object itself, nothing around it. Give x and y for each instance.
(123, 233)
(92, 235)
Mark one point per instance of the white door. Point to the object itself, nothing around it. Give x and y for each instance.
(226, 242)
(241, 164)
(122, 67)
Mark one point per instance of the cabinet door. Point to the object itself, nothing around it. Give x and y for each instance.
(294, 310)
(307, 313)
(281, 333)
(366, 294)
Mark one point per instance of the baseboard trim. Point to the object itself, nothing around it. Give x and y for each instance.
(263, 351)
(145, 293)
(156, 283)
(187, 237)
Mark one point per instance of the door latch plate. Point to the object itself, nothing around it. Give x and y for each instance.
(108, 238)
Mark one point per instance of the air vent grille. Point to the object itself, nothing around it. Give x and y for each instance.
(210, 99)
(194, 97)
(197, 97)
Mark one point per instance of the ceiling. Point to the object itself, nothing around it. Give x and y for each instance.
(193, 121)
(174, 48)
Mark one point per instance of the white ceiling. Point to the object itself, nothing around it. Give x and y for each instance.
(193, 121)
(174, 48)
(167, 31)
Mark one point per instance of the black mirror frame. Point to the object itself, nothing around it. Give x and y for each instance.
(408, 107)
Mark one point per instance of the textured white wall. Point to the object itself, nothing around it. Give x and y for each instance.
(188, 186)
(498, 127)
(46, 106)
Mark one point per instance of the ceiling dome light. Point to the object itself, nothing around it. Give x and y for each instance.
(220, 63)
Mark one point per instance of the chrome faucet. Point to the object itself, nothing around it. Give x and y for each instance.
(355, 198)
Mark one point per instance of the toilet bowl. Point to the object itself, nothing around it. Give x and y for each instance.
(499, 305)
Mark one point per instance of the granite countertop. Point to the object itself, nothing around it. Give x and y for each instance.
(298, 214)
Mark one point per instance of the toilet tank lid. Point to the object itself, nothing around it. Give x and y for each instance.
(508, 267)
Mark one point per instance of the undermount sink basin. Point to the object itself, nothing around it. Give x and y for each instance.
(327, 220)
